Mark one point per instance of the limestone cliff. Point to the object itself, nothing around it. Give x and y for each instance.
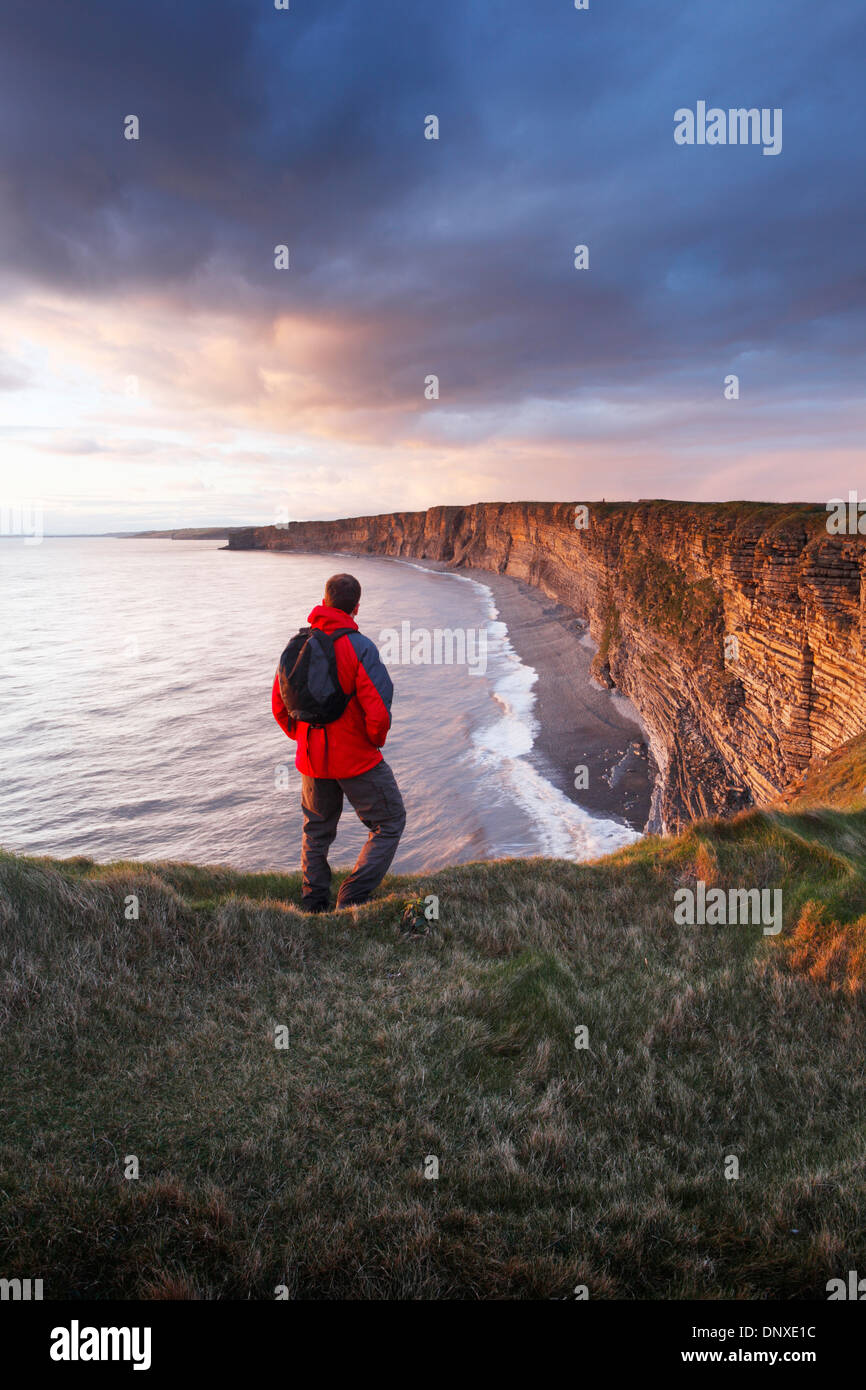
(736, 629)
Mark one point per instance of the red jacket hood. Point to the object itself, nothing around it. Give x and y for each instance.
(330, 619)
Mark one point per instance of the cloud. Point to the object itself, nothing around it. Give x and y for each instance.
(13, 376)
(154, 258)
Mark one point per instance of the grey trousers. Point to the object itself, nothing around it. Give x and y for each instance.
(376, 800)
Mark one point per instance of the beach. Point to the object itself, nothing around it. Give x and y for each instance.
(579, 722)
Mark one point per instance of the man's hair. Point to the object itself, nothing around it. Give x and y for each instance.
(342, 591)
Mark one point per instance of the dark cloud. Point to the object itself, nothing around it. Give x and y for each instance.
(262, 126)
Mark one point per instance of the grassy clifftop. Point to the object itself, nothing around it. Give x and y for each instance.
(304, 1166)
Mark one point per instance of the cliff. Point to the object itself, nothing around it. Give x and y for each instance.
(737, 629)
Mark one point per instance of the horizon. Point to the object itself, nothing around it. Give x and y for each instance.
(228, 285)
(151, 531)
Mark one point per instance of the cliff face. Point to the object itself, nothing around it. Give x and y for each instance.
(736, 629)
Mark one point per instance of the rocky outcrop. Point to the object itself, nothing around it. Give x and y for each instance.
(736, 629)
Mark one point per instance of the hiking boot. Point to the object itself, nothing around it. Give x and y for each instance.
(305, 905)
(355, 902)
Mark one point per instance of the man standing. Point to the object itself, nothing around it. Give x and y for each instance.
(343, 758)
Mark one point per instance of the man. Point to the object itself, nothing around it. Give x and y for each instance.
(343, 758)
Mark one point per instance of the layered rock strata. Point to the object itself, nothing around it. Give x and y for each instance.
(736, 629)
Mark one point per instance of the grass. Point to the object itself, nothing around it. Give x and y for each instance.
(839, 780)
(666, 600)
(304, 1167)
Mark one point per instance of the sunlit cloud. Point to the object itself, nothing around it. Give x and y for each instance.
(156, 366)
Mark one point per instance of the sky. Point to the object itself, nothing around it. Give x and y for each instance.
(159, 369)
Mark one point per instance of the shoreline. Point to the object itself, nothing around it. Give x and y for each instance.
(579, 723)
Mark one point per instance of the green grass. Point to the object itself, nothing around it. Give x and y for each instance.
(838, 780)
(666, 600)
(558, 1167)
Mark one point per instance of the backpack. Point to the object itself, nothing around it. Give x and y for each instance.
(308, 679)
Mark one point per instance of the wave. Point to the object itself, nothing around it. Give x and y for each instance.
(563, 829)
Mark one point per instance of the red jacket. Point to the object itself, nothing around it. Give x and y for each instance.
(353, 741)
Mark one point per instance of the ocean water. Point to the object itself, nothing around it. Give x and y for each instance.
(135, 722)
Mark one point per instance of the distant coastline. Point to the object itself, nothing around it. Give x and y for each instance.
(180, 533)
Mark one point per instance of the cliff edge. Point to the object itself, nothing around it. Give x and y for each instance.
(737, 629)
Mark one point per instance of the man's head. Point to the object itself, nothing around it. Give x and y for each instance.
(344, 592)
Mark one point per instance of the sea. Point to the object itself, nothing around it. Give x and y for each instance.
(135, 709)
